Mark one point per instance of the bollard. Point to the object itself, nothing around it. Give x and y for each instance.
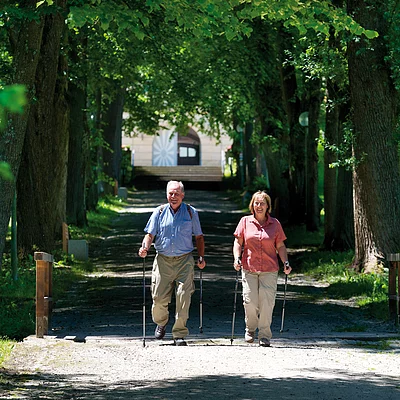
(44, 292)
(394, 286)
(65, 237)
(115, 187)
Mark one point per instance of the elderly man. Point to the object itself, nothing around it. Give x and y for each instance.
(172, 226)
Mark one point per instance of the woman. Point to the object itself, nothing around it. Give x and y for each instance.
(261, 237)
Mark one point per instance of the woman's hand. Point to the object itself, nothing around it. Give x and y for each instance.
(237, 264)
(287, 269)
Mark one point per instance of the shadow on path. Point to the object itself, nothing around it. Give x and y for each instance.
(110, 302)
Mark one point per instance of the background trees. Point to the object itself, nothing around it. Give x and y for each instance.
(249, 68)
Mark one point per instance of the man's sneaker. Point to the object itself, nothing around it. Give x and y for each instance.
(249, 337)
(160, 332)
(264, 342)
(180, 342)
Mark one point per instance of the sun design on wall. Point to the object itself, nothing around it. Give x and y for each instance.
(164, 150)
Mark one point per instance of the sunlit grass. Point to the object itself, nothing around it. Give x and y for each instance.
(17, 298)
(6, 347)
(98, 220)
(369, 291)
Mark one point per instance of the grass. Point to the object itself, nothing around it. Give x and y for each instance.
(98, 220)
(17, 298)
(380, 345)
(369, 291)
(6, 347)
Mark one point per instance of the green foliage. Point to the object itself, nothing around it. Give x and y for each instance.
(49, 2)
(6, 347)
(17, 300)
(370, 291)
(12, 99)
(381, 345)
(393, 40)
(351, 328)
(5, 171)
(299, 237)
(98, 220)
(259, 183)
(342, 150)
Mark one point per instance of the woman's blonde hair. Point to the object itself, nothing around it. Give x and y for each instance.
(266, 198)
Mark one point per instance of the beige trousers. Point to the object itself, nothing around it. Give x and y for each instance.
(259, 292)
(169, 273)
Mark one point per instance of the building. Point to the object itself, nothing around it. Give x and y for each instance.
(194, 157)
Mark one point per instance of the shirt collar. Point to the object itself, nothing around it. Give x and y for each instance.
(254, 220)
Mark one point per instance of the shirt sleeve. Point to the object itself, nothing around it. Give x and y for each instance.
(196, 227)
(280, 234)
(239, 231)
(152, 223)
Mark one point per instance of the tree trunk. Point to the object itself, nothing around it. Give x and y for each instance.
(42, 181)
(330, 174)
(376, 175)
(78, 148)
(25, 54)
(248, 156)
(313, 202)
(296, 146)
(112, 153)
(343, 233)
(78, 154)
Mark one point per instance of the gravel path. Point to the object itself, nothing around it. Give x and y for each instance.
(95, 348)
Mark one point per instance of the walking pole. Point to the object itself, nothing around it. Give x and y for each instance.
(201, 301)
(284, 303)
(234, 305)
(144, 302)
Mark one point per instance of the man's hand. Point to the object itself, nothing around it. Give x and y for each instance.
(142, 252)
(201, 263)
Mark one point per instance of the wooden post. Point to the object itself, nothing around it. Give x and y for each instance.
(44, 292)
(65, 237)
(115, 187)
(394, 286)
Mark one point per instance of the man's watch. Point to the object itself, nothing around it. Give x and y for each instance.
(201, 259)
(286, 263)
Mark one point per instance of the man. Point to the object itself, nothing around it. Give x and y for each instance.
(172, 225)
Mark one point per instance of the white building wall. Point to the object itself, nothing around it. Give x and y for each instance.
(211, 153)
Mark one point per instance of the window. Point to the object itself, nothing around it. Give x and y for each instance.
(187, 152)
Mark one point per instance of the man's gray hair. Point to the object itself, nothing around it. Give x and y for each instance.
(181, 187)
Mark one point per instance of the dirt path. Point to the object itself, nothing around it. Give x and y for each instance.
(95, 349)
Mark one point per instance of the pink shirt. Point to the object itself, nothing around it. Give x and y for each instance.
(260, 252)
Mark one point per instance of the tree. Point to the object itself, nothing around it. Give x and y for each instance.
(167, 54)
(374, 102)
(42, 182)
(25, 36)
